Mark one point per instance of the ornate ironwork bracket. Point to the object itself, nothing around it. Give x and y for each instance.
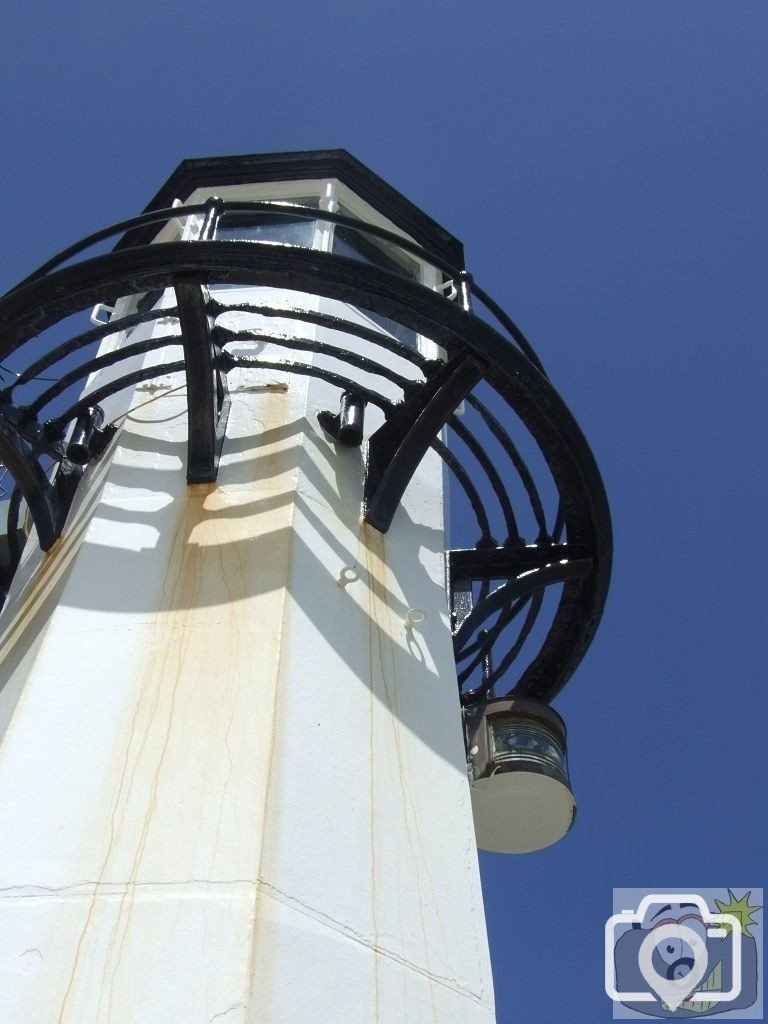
(525, 570)
(48, 502)
(477, 625)
(207, 395)
(396, 449)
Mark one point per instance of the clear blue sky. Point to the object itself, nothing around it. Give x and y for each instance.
(604, 162)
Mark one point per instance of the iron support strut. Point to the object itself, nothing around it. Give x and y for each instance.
(207, 396)
(397, 448)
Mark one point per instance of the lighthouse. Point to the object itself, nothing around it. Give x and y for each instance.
(301, 543)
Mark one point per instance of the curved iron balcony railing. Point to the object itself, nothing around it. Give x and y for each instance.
(530, 554)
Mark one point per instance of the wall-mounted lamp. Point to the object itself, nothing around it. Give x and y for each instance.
(521, 794)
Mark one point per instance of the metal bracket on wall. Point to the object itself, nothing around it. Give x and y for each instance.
(477, 624)
(207, 395)
(397, 448)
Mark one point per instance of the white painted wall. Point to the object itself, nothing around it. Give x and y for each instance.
(232, 789)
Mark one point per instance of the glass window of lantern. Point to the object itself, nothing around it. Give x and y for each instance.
(271, 226)
(377, 252)
(513, 739)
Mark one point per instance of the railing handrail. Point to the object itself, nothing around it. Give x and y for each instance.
(288, 209)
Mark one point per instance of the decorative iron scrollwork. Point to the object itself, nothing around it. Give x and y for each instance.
(487, 408)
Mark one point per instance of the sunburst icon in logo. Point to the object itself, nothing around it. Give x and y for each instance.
(741, 910)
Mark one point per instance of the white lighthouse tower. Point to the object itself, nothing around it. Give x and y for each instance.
(259, 663)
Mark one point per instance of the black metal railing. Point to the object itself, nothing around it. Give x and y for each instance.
(531, 538)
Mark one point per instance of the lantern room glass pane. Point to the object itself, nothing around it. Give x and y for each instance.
(271, 226)
(377, 252)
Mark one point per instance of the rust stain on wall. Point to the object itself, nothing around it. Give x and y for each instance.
(223, 591)
(384, 684)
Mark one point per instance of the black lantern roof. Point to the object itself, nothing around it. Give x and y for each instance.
(530, 554)
(217, 171)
